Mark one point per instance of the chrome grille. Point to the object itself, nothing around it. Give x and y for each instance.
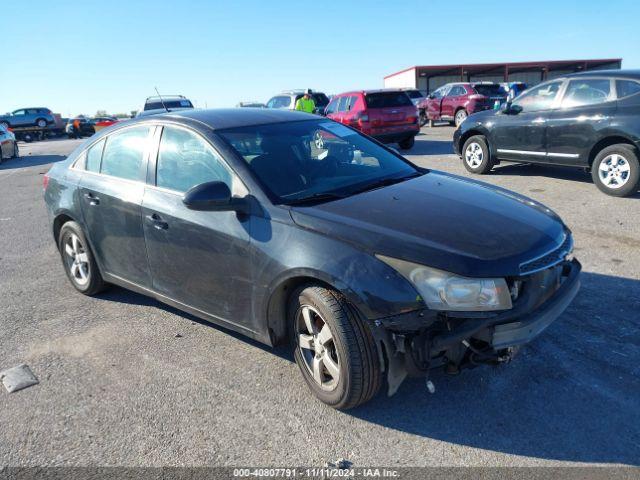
(549, 259)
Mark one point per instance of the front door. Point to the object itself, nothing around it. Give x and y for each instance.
(111, 191)
(434, 102)
(586, 109)
(201, 259)
(521, 136)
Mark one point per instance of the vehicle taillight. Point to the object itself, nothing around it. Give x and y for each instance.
(363, 117)
(45, 181)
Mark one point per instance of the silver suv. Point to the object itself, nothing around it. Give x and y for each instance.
(28, 117)
(287, 100)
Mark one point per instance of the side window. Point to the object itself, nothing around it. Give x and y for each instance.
(626, 88)
(439, 93)
(333, 106)
(586, 92)
(19, 112)
(185, 160)
(94, 156)
(352, 102)
(456, 91)
(342, 104)
(124, 154)
(539, 98)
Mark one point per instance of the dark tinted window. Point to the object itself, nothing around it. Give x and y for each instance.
(185, 160)
(320, 99)
(387, 99)
(413, 93)
(295, 160)
(626, 88)
(157, 105)
(586, 92)
(94, 155)
(124, 153)
(490, 90)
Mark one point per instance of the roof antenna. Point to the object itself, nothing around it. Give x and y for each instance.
(161, 101)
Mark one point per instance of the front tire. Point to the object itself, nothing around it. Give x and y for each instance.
(423, 118)
(476, 156)
(78, 260)
(407, 143)
(334, 348)
(616, 170)
(16, 150)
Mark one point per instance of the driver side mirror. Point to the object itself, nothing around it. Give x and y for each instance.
(431, 96)
(213, 197)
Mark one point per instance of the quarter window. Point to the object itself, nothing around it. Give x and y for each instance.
(94, 156)
(124, 154)
(626, 88)
(586, 92)
(539, 98)
(185, 160)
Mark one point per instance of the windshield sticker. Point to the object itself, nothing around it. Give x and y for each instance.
(337, 129)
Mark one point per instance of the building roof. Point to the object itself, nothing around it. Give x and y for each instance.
(482, 67)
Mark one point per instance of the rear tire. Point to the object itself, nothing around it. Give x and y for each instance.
(616, 170)
(16, 150)
(461, 116)
(423, 118)
(476, 156)
(78, 260)
(334, 348)
(41, 123)
(407, 143)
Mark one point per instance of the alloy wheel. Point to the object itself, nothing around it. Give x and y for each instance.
(42, 123)
(461, 116)
(614, 171)
(317, 348)
(474, 155)
(77, 259)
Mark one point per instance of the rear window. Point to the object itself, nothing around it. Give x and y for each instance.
(493, 90)
(413, 93)
(387, 99)
(157, 105)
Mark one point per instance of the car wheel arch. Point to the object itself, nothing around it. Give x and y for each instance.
(470, 133)
(60, 219)
(278, 299)
(607, 142)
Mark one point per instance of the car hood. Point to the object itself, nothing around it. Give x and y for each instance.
(443, 221)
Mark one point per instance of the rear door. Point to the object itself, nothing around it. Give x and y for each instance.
(111, 190)
(201, 259)
(586, 108)
(522, 136)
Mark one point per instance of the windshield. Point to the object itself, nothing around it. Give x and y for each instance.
(299, 160)
(490, 90)
(388, 99)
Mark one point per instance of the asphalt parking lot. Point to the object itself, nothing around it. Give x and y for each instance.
(125, 380)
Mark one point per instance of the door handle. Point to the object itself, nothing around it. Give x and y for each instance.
(157, 222)
(93, 200)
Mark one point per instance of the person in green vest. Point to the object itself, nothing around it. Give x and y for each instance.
(306, 103)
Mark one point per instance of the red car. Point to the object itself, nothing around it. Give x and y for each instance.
(454, 102)
(389, 116)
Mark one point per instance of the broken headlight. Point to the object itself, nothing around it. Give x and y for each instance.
(447, 291)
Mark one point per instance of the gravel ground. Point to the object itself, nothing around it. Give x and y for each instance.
(118, 387)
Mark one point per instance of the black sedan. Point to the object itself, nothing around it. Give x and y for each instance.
(369, 266)
(589, 120)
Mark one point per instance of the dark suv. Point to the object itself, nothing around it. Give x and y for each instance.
(589, 120)
(454, 102)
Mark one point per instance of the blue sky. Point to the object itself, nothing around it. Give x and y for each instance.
(84, 55)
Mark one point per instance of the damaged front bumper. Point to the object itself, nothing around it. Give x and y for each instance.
(416, 342)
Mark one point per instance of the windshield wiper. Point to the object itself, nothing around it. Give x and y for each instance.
(316, 197)
(384, 182)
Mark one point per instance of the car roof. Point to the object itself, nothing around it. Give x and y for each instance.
(221, 118)
(632, 74)
(368, 92)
